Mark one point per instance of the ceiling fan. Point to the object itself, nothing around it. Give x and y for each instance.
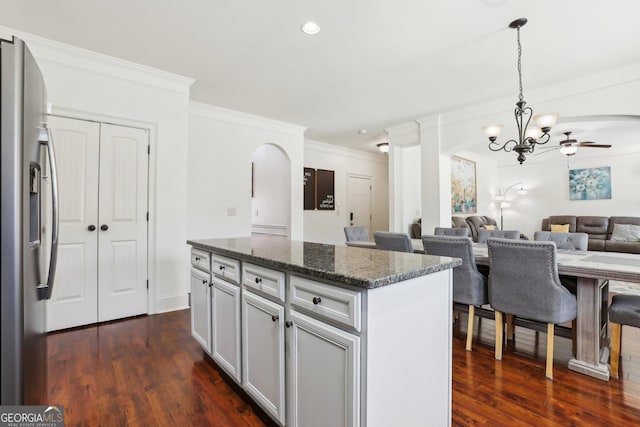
(569, 146)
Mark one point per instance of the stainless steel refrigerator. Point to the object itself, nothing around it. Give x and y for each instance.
(28, 252)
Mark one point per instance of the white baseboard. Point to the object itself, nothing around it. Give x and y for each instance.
(175, 302)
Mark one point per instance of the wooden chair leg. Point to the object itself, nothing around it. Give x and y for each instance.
(470, 326)
(616, 332)
(511, 330)
(550, 330)
(499, 338)
(574, 335)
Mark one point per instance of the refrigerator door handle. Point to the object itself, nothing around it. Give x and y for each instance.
(46, 138)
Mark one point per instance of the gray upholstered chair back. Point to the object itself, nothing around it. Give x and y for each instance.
(484, 235)
(524, 281)
(357, 233)
(469, 286)
(390, 241)
(444, 231)
(574, 241)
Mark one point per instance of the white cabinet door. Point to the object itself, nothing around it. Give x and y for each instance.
(263, 353)
(225, 329)
(323, 369)
(122, 269)
(75, 296)
(201, 308)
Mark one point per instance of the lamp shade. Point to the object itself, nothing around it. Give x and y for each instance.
(546, 120)
(500, 197)
(568, 149)
(492, 130)
(533, 132)
(505, 205)
(383, 147)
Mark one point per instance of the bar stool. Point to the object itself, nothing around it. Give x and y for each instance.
(624, 310)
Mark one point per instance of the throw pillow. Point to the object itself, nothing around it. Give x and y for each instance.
(489, 227)
(626, 233)
(560, 228)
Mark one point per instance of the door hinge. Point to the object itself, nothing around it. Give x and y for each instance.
(147, 216)
(148, 149)
(147, 283)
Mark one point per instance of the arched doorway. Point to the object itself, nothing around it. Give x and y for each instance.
(271, 191)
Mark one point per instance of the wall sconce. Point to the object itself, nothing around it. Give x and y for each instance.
(383, 147)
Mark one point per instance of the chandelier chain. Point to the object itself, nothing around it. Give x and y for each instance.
(520, 97)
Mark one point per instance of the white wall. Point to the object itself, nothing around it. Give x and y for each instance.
(271, 202)
(86, 85)
(548, 194)
(327, 226)
(221, 146)
(410, 178)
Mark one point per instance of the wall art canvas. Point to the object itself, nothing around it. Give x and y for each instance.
(463, 186)
(590, 184)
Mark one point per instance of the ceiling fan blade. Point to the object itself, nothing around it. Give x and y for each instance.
(595, 145)
(587, 142)
(544, 150)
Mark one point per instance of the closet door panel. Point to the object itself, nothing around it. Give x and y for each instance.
(74, 300)
(122, 269)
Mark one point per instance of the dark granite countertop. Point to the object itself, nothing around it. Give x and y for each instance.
(365, 268)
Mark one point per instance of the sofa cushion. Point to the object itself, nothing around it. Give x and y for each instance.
(595, 226)
(626, 233)
(616, 246)
(596, 244)
(560, 219)
(489, 227)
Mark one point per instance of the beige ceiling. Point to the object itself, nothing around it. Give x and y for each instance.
(374, 63)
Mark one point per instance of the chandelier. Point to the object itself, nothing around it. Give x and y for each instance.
(528, 136)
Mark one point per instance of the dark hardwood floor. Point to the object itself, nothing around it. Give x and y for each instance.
(148, 371)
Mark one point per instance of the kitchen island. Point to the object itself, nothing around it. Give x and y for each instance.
(327, 335)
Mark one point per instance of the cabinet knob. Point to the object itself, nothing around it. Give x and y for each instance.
(221, 267)
(317, 300)
(288, 324)
(275, 318)
(204, 282)
(104, 227)
(197, 259)
(258, 279)
(91, 227)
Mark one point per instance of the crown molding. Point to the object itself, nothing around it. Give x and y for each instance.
(404, 134)
(338, 150)
(207, 111)
(50, 51)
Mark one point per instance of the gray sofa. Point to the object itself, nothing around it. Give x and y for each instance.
(456, 222)
(599, 229)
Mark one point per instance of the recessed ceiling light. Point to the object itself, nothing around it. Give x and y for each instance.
(311, 28)
(362, 131)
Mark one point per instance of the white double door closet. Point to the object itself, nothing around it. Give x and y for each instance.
(102, 252)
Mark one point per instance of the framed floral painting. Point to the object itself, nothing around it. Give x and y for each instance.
(590, 184)
(463, 186)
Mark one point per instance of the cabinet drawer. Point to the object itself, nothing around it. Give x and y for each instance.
(338, 304)
(226, 267)
(263, 279)
(200, 259)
